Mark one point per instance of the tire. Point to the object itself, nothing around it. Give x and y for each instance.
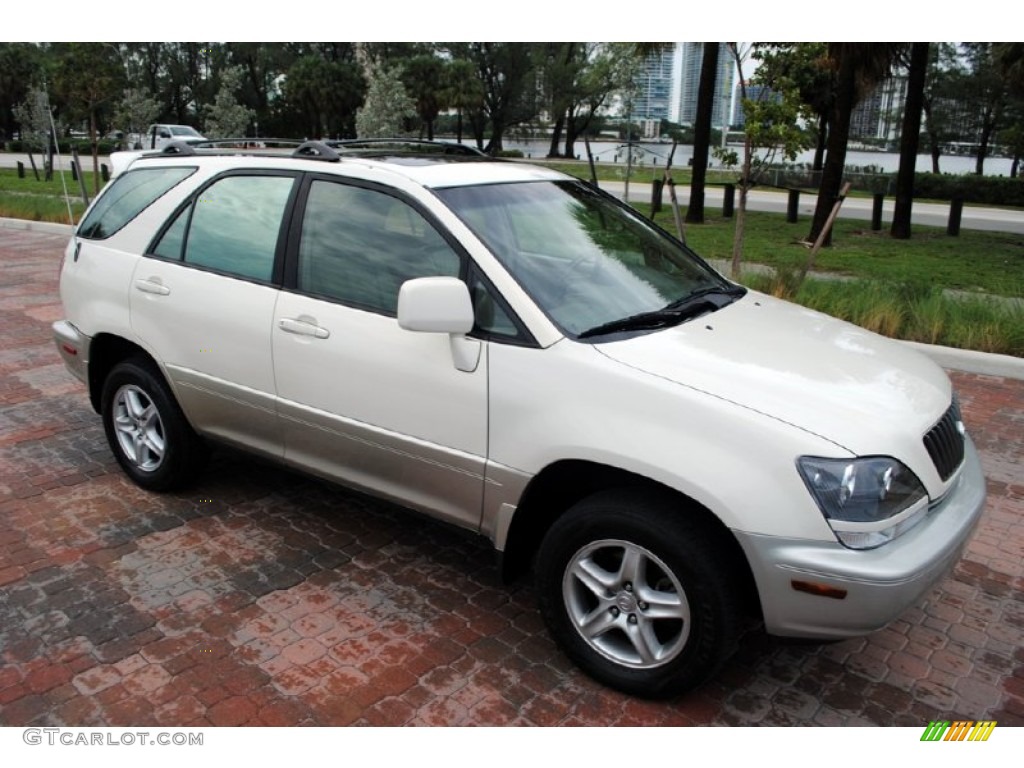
(146, 430)
(637, 591)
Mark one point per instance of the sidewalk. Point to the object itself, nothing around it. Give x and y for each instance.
(265, 598)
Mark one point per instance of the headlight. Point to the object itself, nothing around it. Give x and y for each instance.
(867, 501)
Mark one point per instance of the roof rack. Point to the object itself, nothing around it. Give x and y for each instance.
(327, 150)
(445, 147)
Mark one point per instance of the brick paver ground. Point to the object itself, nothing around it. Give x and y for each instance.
(266, 598)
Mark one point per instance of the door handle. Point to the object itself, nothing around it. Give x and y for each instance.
(152, 285)
(303, 327)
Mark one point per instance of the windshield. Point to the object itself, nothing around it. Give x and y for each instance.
(586, 260)
(184, 130)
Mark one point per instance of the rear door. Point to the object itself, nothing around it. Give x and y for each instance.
(203, 300)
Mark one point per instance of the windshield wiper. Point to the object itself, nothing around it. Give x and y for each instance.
(693, 305)
(730, 293)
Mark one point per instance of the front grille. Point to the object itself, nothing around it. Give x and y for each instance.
(945, 442)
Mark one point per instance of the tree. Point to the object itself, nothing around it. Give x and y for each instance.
(320, 96)
(909, 138)
(20, 65)
(506, 72)
(462, 91)
(226, 117)
(609, 67)
(986, 86)
(87, 76)
(804, 65)
(37, 124)
(387, 105)
(942, 94)
(771, 126)
(136, 110)
(702, 132)
(1010, 58)
(858, 67)
(424, 77)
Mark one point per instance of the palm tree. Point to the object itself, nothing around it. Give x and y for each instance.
(702, 132)
(858, 67)
(911, 133)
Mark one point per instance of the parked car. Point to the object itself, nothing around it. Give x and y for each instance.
(515, 352)
(160, 135)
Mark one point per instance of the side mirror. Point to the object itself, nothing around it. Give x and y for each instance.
(441, 305)
(435, 305)
(165, 134)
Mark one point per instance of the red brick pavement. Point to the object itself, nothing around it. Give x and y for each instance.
(265, 598)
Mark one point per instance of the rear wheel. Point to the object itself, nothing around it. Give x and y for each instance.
(638, 594)
(146, 430)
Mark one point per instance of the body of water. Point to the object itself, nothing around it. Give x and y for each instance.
(656, 153)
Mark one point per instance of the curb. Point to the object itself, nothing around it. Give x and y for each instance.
(969, 361)
(47, 227)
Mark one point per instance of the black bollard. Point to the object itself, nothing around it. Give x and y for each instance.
(74, 171)
(21, 170)
(729, 201)
(656, 189)
(956, 210)
(876, 211)
(104, 172)
(793, 206)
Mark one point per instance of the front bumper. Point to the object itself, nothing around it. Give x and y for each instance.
(73, 346)
(879, 584)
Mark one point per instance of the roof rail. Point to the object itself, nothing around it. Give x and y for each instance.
(316, 150)
(446, 147)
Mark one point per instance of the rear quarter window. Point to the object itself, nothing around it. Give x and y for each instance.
(127, 196)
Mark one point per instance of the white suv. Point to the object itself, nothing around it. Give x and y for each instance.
(510, 350)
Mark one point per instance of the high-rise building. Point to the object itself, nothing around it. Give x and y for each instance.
(879, 115)
(691, 56)
(670, 79)
(655, 87)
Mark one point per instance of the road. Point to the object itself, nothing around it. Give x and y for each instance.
(925, 214)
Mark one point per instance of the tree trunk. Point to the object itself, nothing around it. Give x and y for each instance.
(987, 129)
(94, 141)
(572, 133)
(934, 146)
(1014, 166)
(819, 149)
(835, 159)
(911, 133)
(556, 136)
(741, 215)
(702, 132)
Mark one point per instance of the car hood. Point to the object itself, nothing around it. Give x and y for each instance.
(861, 391)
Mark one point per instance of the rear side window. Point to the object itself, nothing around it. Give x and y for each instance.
(128, 195)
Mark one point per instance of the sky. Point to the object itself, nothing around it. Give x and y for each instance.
(526, 20)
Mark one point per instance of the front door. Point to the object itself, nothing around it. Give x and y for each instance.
(362, 400)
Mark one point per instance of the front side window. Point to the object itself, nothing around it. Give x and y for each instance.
(591, 265)
(127, 196)
(359, 245)
(235, 226)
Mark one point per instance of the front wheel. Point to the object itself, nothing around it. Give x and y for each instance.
(638, 593)
(146, 429)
